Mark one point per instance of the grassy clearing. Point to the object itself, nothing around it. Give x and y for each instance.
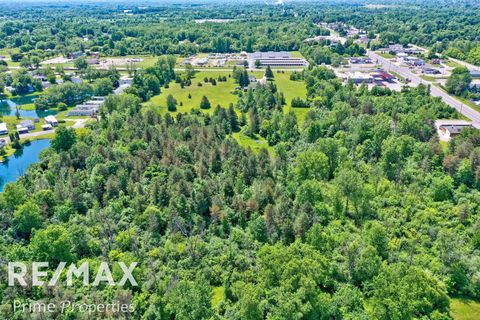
(386, 55)
(428, 78)
(292, 89)
(452, 64)
(444, 145)
(218, 294)
(464, 309)
(222, 94)
(254, 144)
(297, 54)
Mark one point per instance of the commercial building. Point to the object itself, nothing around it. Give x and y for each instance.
(413, 61)
(276, 59)
(359, 77)
(431, 71)
(447, 129)
(381, 75)
(360, 60)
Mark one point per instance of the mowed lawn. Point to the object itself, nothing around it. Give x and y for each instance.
(222, 93)
(291, 89)
(464, 309)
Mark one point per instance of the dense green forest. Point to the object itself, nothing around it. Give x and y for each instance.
(356, 212)
(357, 215)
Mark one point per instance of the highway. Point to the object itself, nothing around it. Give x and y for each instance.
(405, 72)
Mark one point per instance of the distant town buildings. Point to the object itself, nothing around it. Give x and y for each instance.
(276, 59)
(360, 60)
(359, 77)
(413, 61)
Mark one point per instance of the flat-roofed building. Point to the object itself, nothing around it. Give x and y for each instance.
(413, 61)
(446, 129)
(276, 59)
(359, 77)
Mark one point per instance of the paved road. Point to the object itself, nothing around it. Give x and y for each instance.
(405, 72)
(79, 123)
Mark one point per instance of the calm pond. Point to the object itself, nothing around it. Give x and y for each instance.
(16, 165)
(8, 108)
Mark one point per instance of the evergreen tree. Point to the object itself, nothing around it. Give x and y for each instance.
(171, 103)
(268, 73)
(205, 104)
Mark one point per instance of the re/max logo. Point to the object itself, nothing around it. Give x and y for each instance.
(17, 274)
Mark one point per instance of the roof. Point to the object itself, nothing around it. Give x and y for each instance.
(359, 75)
(456, 128)
(26, 122)
(3, 126)
(50, 119)
(452, 123)
(475, 73)
(271, 55)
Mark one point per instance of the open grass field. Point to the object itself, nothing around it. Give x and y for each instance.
(219, 94)
(254, 144)
(291, 89)
(222, 94)
(7, 53)
(464, 309)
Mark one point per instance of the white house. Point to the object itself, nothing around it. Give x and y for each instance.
(51, 120)
(3, 128)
